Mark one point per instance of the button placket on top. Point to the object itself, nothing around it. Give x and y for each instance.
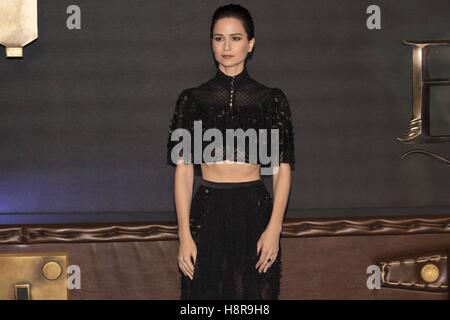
(231, 96)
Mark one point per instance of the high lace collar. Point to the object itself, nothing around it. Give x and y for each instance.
(225, 80)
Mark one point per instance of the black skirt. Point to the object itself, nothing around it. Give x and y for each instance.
(226, 222)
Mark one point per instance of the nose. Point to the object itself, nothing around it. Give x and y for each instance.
(227, 44)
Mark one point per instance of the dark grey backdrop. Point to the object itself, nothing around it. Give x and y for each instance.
(84, 116)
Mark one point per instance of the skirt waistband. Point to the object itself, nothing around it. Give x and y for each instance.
(230, 185)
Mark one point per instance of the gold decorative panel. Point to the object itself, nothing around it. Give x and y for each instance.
(33, 276)
(18, 25)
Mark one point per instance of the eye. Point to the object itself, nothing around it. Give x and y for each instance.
(236, 38)
(218, 38)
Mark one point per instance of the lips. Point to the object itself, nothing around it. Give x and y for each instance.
(227, 56)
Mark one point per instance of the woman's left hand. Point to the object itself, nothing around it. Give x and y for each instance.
(268, 244)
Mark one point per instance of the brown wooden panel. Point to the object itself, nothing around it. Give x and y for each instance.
(322, 259)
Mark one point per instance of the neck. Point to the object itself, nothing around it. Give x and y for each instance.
(232, 71)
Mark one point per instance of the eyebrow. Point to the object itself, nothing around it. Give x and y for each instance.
(233, 34)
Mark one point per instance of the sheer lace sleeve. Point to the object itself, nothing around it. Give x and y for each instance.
(283, 122)
(178, 140)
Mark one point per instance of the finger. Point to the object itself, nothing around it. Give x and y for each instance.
(185, 263)
(186, 269)
(274, 258)
(182, 269)
(262, 261)
(260, 253)
(266, 262)
(269, 264)
(188, 272)
(261, 268)
(258, 263)
(190, 265)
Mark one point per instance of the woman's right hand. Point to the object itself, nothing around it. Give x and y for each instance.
(187, 250)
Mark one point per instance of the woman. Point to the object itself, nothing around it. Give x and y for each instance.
(229, 234)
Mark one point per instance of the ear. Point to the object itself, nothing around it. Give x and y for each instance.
(251, 44)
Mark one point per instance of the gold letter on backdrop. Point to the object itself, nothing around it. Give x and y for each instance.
(18, 25)
(418, 130)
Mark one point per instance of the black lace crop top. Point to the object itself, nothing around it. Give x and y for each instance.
(232, 102)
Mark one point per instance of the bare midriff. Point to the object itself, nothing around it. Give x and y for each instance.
(230, 171)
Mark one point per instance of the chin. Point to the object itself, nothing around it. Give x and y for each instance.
(226, 63)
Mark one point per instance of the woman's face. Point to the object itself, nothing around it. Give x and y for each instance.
(229, 42)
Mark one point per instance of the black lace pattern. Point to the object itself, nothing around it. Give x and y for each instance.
(226, 102)
(226, 232)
